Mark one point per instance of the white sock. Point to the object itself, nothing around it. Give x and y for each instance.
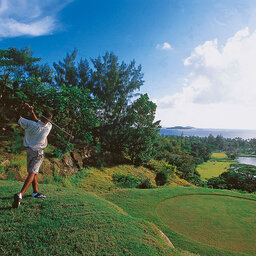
(20, 195)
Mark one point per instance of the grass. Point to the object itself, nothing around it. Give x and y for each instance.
(230, 225)
(207, 223)
(218, 164)
(219, 155)
(73, 222)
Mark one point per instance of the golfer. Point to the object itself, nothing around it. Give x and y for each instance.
(35, 140)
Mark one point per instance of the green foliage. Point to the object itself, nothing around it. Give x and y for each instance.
(161, 178)
(142, 130)
(63, 147)
(94, 103)
(121, 127)
(3, 169)
(10, 175)
(145, 183)
(240, 177)
(16, 142)
(126, 181)
(129, 181)
(75, 111)
(18, 68)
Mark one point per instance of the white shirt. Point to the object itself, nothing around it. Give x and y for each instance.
(35, 133)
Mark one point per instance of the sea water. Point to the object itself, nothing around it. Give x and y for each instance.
(200, 132)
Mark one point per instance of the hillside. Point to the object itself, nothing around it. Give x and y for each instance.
(73, 222)
(70, 171)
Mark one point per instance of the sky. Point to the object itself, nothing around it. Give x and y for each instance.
(198, 56)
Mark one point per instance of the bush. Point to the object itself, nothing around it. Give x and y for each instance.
(161, 178)
(16, 142)
(146, 183)
(10, 175)
(126, 181)
(159, 165)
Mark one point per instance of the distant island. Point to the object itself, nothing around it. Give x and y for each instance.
(181, 127)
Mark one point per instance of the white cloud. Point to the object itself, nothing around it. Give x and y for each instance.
(164, 46)
(220, 91)
(25, 17)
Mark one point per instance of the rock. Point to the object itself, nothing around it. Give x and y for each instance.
(68, 161)
(46, 167)
(86, 153)
(69, 165)
(78, 159)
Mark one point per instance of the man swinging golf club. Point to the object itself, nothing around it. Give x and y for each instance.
(35, 140)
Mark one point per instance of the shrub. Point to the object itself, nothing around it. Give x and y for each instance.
(146, 183)
(16, 142)
(10, 175)
(126, 181)
(157, 166)
(161, 178)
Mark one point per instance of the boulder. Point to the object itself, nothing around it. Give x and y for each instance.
(77, 159)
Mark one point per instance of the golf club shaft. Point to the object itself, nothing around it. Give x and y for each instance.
(57, 126)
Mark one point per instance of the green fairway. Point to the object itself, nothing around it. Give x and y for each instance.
(204, 221)
(72, 222)
(219, 155)
(218, 164)
(221, 221)
(208, 170)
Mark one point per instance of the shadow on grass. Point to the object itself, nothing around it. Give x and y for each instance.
(5, 208)
(11, 197)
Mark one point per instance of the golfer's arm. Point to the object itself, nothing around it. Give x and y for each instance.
(34, 116)
(20, 111)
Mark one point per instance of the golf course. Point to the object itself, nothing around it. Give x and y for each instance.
(199, 220)
(73, 222)
(217, 164)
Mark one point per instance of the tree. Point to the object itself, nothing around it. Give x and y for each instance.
(141, 129)
(71, 73)
(18, 68)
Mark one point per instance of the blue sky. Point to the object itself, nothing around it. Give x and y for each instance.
(194, 53)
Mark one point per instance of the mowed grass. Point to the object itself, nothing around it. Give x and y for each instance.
(72, 222)
(229, 224)
(209, 170)
(199, 212)
(218, 164)
(219, 155)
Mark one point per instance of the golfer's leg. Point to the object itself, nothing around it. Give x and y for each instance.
(34, 183)
(27, 183)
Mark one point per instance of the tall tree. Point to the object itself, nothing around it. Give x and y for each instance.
(142, 131)
(114, 84)
(71, 73)
(19, 68)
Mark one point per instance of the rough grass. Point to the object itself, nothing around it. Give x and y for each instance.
(218, 164)
(152, 206)
(100, 180)
(72, 222)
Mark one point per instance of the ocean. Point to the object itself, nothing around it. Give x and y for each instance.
(200, 132)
